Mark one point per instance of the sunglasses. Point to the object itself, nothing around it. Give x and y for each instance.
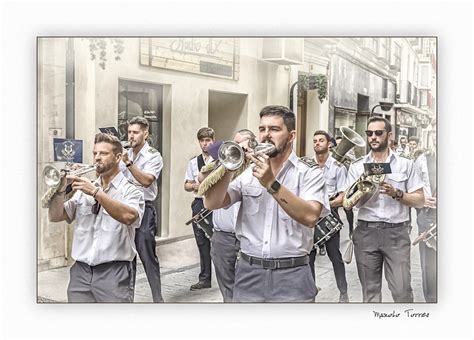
(378, 133)
(95, 208)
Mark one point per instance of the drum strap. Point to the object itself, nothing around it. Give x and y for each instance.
(200, 161)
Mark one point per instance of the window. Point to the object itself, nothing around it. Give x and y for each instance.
(424, 76)
(144, 100)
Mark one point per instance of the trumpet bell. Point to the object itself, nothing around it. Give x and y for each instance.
(52, 176)
(231, 155)
(350, 138)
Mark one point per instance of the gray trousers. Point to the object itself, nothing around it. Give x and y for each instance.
(255, 284)
(146, 249)
(383, 248)
(224, 250)
(107, 282)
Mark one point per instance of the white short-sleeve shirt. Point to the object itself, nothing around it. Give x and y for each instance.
(101, 238)
(382, 207)
(148, 160)
(264, 229)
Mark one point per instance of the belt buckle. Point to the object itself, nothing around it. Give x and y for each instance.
(269, 264)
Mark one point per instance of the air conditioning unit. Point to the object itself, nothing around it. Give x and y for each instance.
(283, 51)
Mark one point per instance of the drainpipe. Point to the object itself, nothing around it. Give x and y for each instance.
(70, 115)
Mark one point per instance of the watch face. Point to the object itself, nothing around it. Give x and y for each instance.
(275, 186)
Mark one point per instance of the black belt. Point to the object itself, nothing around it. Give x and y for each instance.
(289, 262)
(225, 232)
(381, 225)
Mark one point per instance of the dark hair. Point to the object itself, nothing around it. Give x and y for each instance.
(388, 125)
(324, 133)
(143, 122)
(205, 132)
(246, 132)
(280, 111)
(107, 138)
(414, 139)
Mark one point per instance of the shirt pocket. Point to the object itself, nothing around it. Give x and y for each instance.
(398, 181)
(84, 218)
(108, 222)
(251, 197)
(330, 185)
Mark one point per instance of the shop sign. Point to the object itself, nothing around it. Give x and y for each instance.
(217, 57)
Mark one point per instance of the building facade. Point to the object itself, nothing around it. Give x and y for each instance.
(182, 84)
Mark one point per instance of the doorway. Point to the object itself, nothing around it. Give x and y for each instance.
(227, 113)
(143, 100)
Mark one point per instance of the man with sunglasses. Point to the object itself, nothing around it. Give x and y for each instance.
(382, 238)
(143, 163)
(106, 212)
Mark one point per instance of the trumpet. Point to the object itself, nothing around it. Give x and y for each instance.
(231, 157)
(52, 177)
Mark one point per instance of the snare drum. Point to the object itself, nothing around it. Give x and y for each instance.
(325, 229)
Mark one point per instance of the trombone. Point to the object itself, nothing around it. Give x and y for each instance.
(52, 177)
(429, 237)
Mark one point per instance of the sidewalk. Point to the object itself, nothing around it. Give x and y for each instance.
(179, 264)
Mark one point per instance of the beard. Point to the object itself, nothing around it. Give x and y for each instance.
(279, 149)
(381, 147)
(102, 168)
(321, 151)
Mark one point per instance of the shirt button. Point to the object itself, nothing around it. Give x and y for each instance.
(266, 242)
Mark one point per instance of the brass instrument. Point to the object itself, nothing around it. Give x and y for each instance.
(350, 138)
(53, 176)
(361, 190)
(231, 157)
(429, 236)
(202, 220)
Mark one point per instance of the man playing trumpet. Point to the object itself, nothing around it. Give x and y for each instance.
(382, 238)
(281, 200)
(106, 214)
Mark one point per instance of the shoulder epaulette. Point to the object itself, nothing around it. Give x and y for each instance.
(152, 150)
(308, 161)
(134, 182)
(405, 156)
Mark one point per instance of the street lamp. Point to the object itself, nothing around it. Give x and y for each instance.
(385, 106)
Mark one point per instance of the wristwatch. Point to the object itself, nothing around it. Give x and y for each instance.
(274, 187)
(398, 194)
(128, 164)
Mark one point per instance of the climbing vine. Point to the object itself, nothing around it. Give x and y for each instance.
(314, 82)
(98, 49)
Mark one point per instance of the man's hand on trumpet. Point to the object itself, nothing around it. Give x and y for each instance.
(262, 169)
(83, 184)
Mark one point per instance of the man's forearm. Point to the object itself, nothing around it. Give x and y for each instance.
(304, 212)
(56, 212)
(142, 177)
(118, 210)
(215, 196)
(415, 199)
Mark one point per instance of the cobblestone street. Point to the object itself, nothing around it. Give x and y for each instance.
(180, 269)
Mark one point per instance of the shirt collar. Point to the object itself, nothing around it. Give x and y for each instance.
(142, 151)
(391, 156)
(116, 181)
(293, 158)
